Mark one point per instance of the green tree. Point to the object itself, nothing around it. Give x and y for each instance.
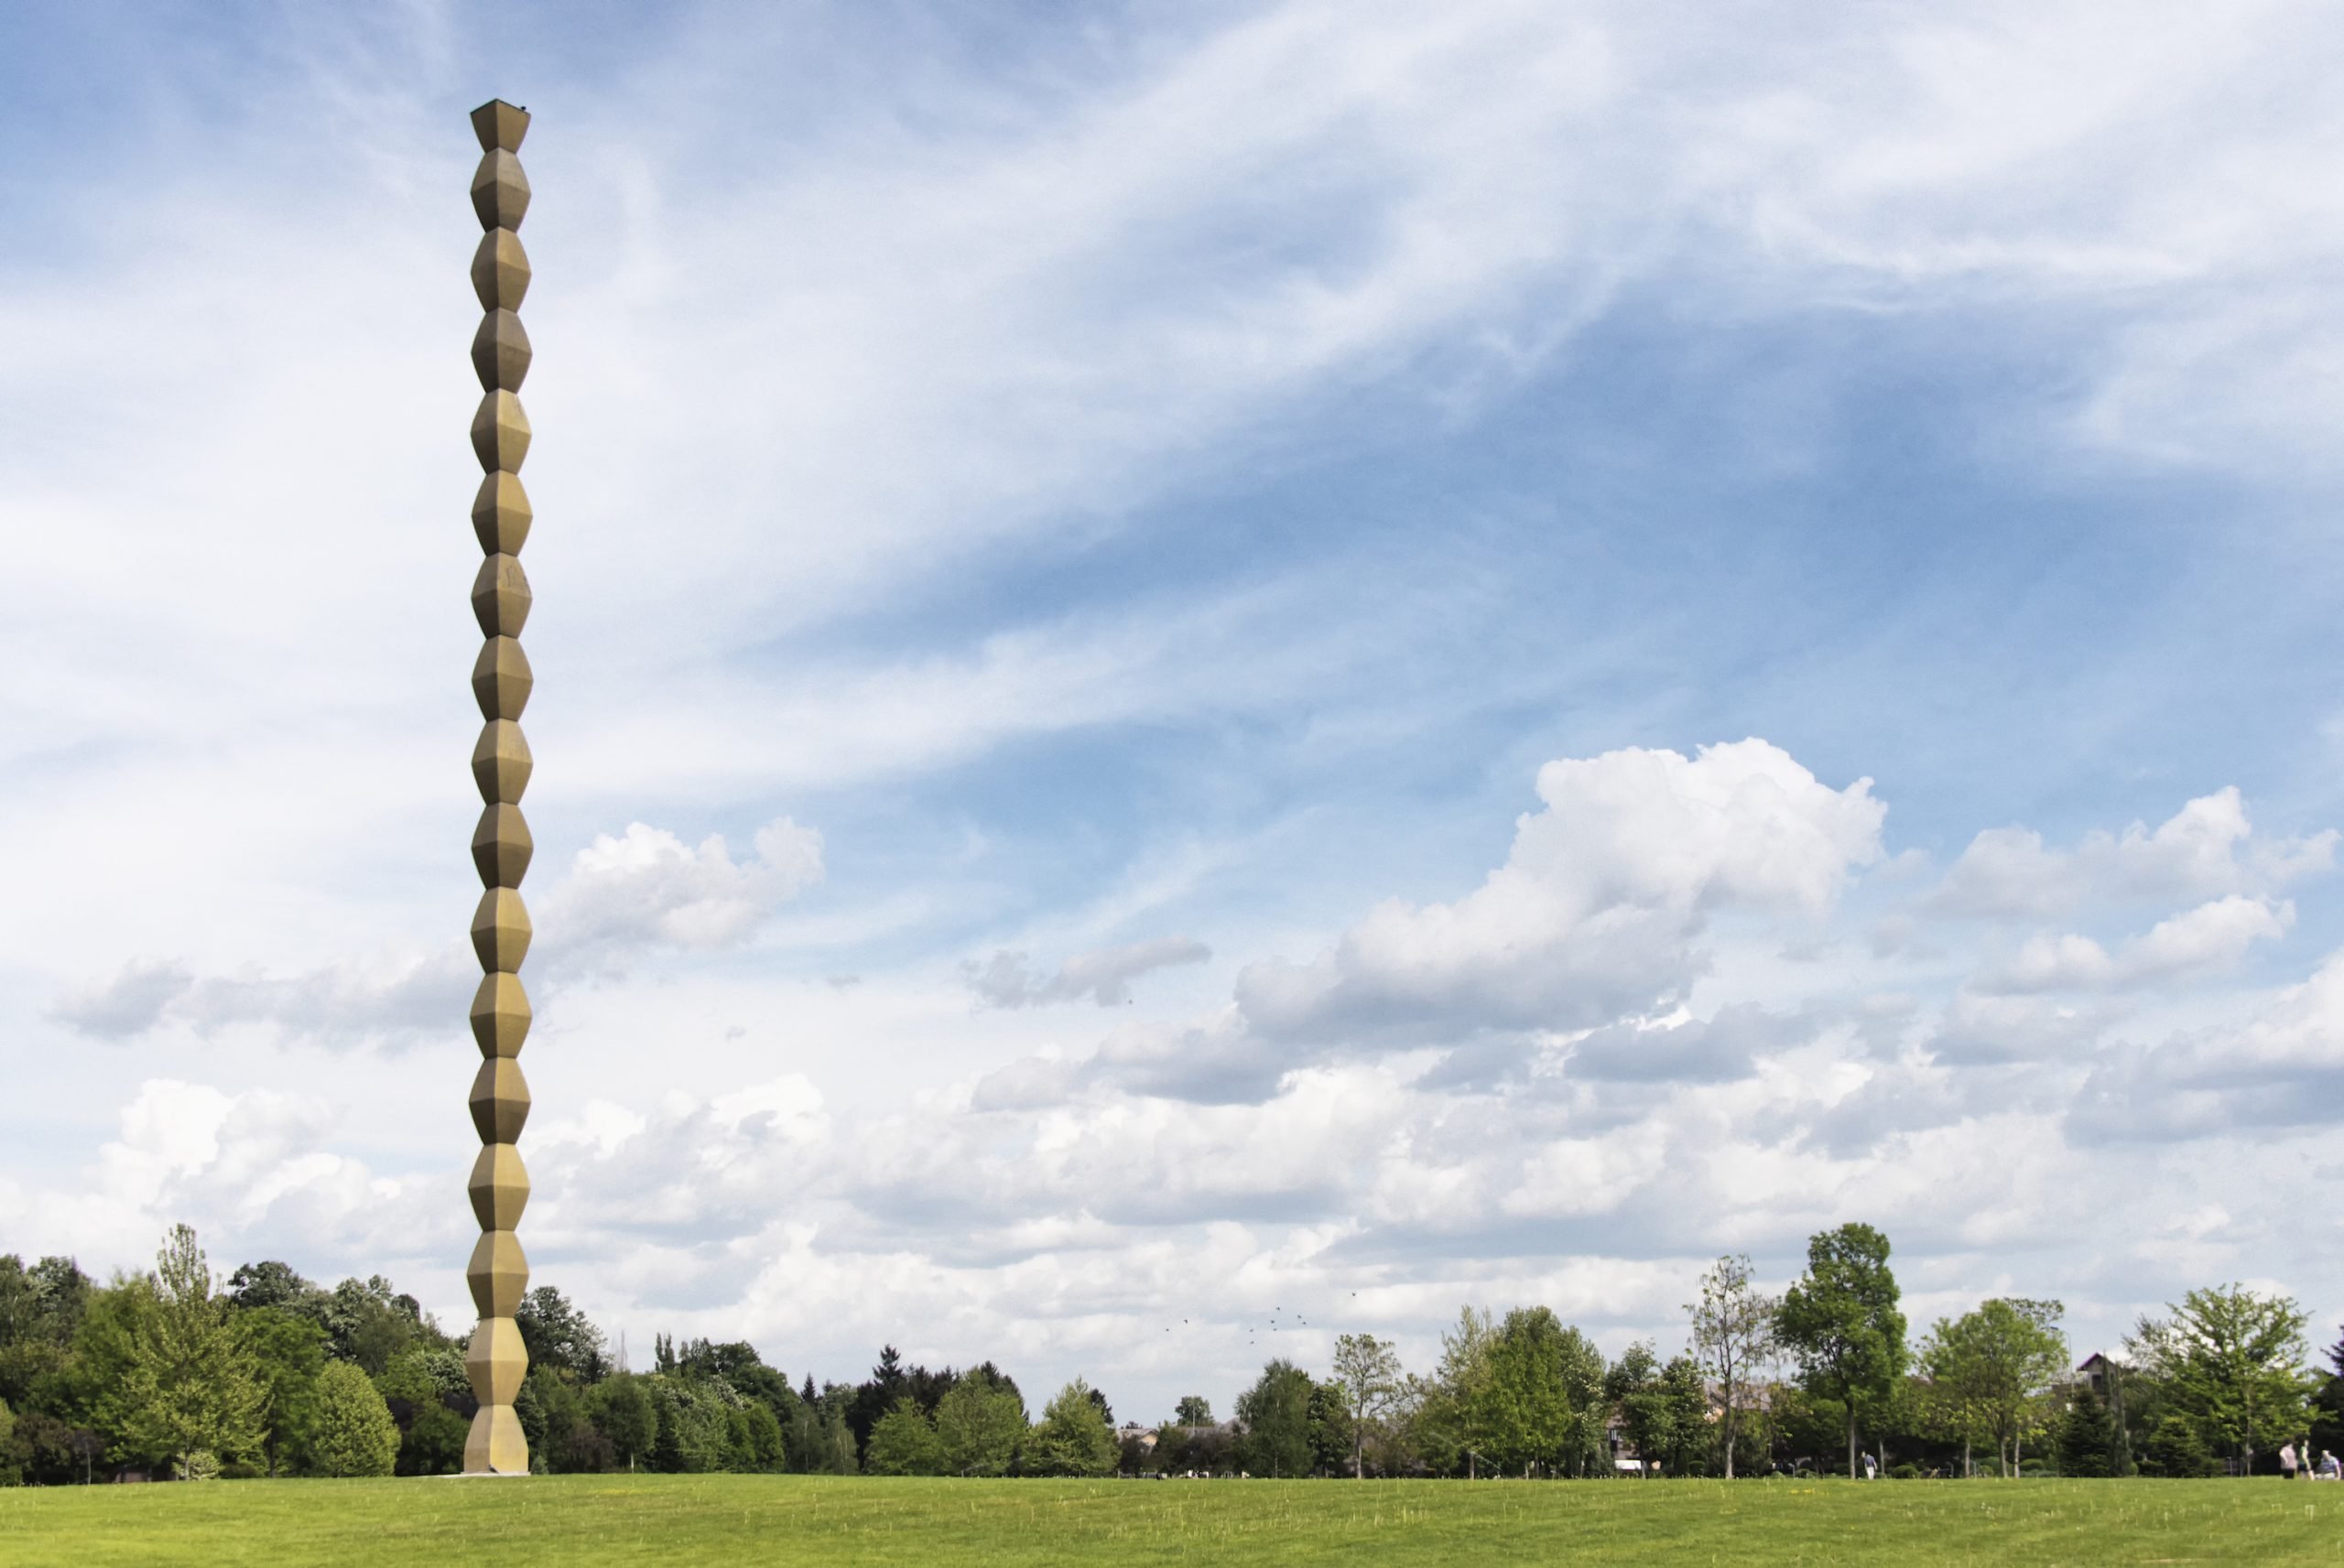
(354, 1435)
(1194, 1410)
(2234, 1363)
(621, 1410)
(1632, 1383)
(2175, 1449)
(1663, 1409)
(1368, 1371)
(2089, 1445)
(41, 1311)
(1072, 1438)
(434, 1445)
(1841, 1320)
(2328, 1404)
(1733, 1340)
(277, 1285)
(767, 1451)
(904, 1443)
(11, 1467)
(419, 1379)
(560, 1338)
(980, 1423)
(1333, 1429)
(1276, 1415)
(1683, 1416)
(1996, 1365)
(1448, 1406)
(289, 1354)
(369, 1323)
(1525, 1411)
(566, 1439)
(189, 1385)
(695, 1435)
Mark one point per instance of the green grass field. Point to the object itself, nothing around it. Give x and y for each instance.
(592, 1519)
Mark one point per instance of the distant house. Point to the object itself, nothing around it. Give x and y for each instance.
(2096, 1370)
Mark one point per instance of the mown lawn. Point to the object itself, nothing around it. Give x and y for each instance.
(590, 1519)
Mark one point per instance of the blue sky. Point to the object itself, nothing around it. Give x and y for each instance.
(1463, 657)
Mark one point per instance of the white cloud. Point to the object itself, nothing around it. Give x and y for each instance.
(2206, 850)
(1595, 914)
(646, 887)
(2283, 1069)
(2212, 937)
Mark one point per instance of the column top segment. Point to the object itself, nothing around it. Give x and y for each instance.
(500, 126)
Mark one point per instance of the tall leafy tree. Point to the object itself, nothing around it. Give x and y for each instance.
(1733, 1339)
(979, 1424)
(621, 1410)
(369, 1321)
(1276, 1414)
(277, 1284)
(1072, 1438)
(560, 1338)
(1841, 1320)
(904, 1443)
(1682, 1421)
(189, 1386)
(289, 1355)
(1450, 1404)
(2234, 1363)
(354, 1435)
(1525, 1411)
(1996, 1365)
(1368, 1371)
(1333, 1429)
(41, 1311)
(1194, 1410)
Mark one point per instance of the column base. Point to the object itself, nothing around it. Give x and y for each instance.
(495, 1445)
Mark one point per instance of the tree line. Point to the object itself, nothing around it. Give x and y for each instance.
(167, 1372)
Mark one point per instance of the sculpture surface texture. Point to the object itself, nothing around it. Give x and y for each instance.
(499, 1274)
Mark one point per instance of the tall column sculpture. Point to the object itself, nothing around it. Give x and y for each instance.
(499, 1274)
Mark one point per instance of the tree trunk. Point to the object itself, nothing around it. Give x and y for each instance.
(1728, 1432)
(1851, 1441)
(1969, 1471)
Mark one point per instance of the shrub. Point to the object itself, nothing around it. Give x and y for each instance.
(354, 1435)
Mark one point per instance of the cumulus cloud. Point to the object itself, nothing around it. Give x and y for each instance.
(2213, 935)
(1104, 976)
(2207, 849)
(1595, 914)
(646, 887)
(2285, 1068)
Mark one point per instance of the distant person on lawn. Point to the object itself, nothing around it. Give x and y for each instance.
(2287, 1461)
